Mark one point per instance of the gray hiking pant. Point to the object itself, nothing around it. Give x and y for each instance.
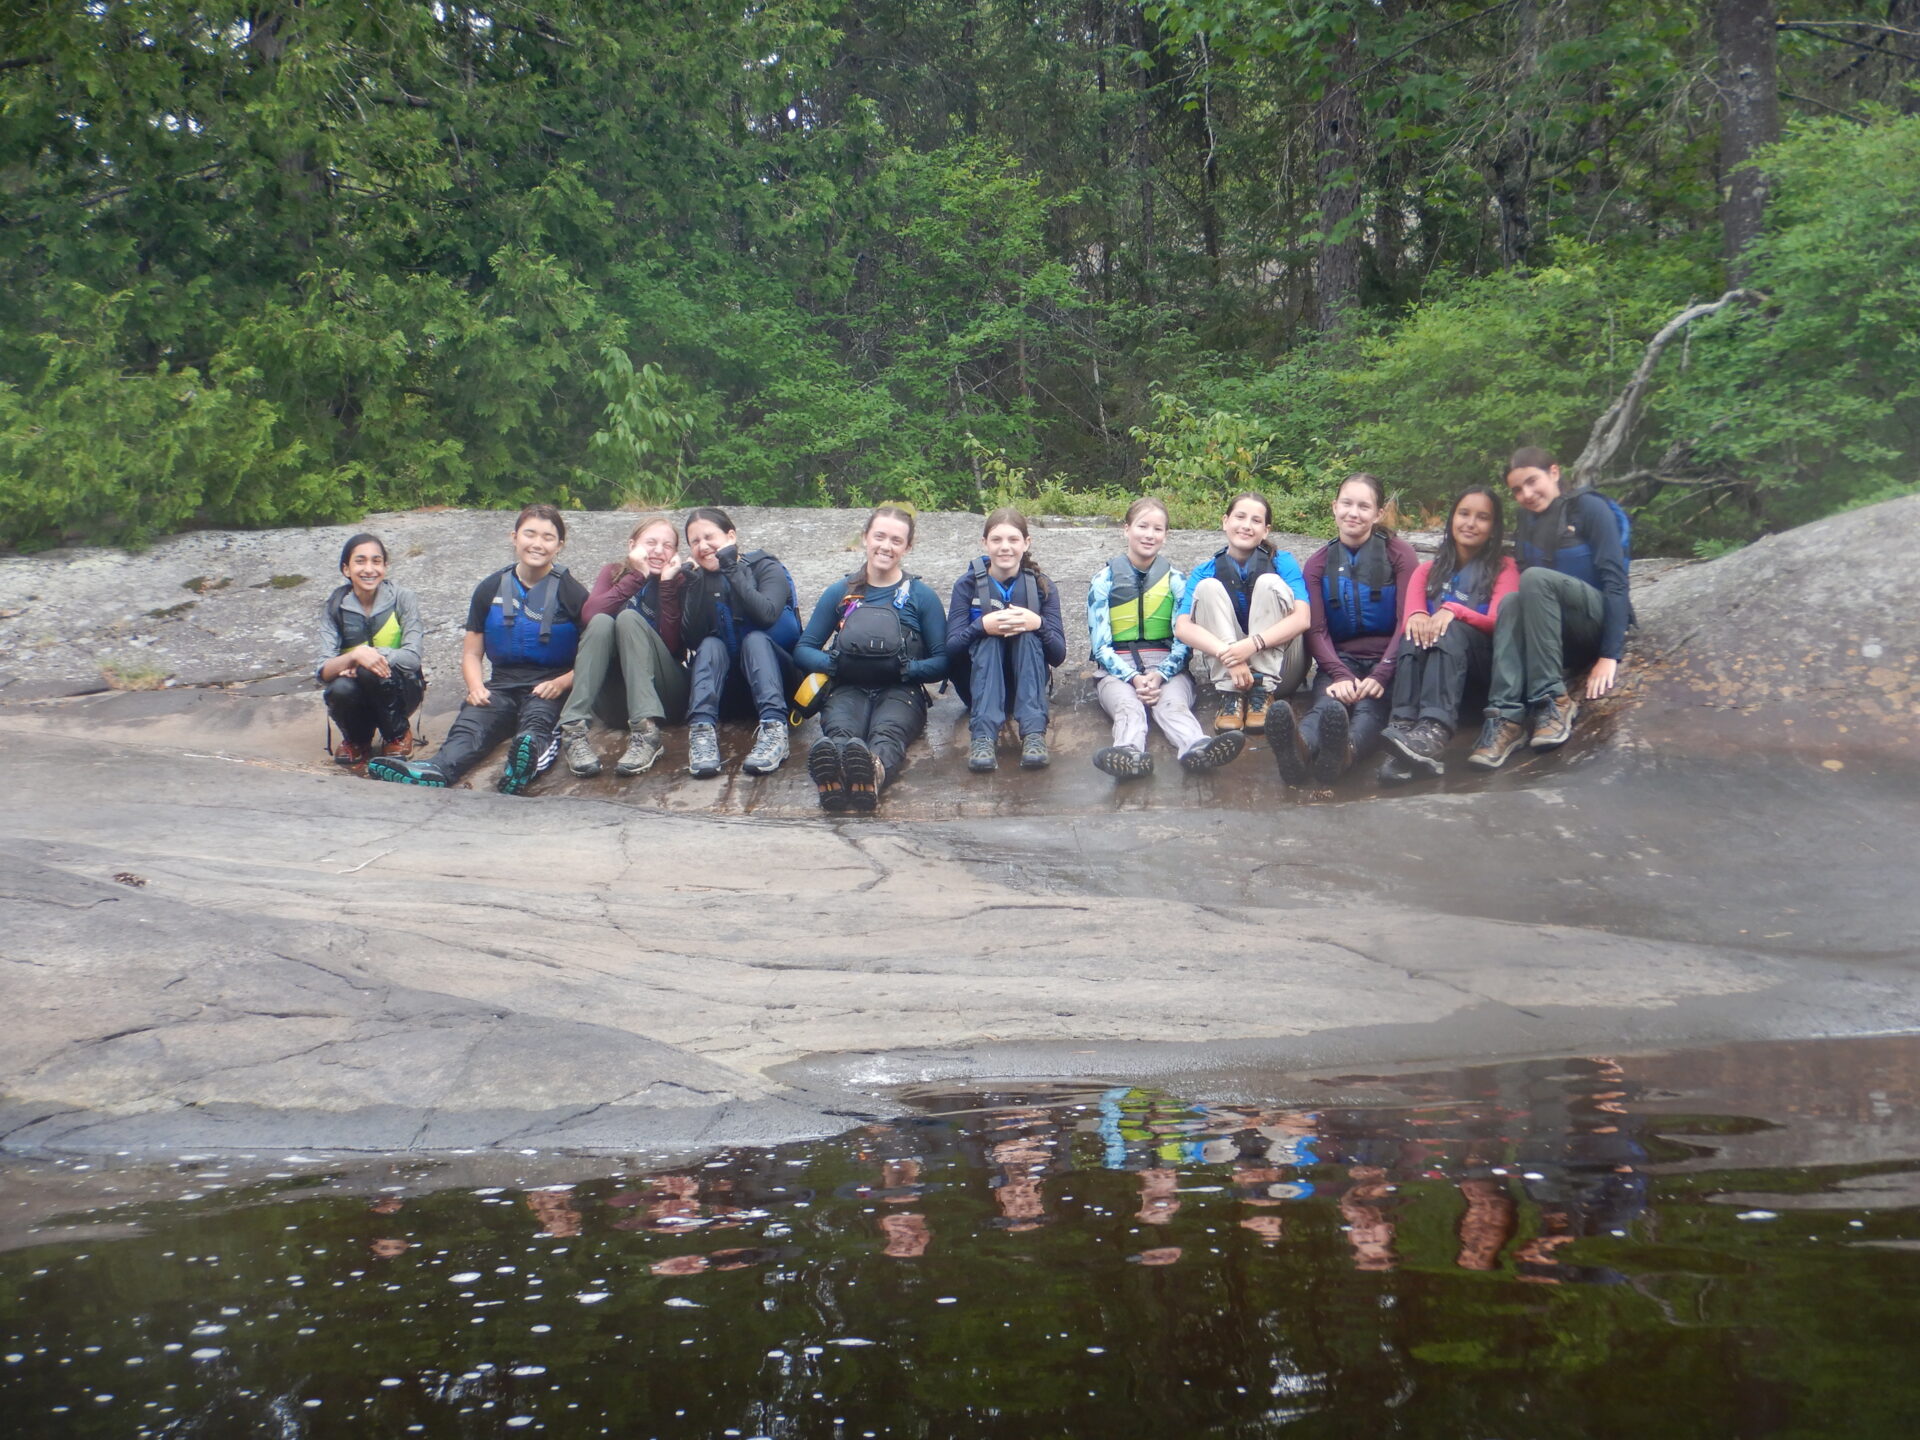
(1551, 622)
(624, 673)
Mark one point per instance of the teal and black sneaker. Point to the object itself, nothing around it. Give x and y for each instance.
(523, 764)
(406, 772)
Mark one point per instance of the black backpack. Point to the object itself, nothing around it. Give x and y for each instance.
(874, 642)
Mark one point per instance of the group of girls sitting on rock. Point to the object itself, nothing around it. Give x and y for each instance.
(1399, 651)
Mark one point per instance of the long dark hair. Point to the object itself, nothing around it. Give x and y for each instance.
(1007, 515)
(1446, 561)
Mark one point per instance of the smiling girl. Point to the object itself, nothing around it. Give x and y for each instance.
(1244, 614)
(1130, 608)
(628, 669)
(369, 668)
(1446, 634)
(1354, 584)
(523, 627)
(1004, 636)
(879, 635)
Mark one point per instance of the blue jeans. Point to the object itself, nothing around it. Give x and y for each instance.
(996, 661)
(758, 679)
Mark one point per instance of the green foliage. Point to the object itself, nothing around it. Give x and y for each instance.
(1197, 461)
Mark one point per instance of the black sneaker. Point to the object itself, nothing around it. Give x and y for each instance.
(823, 768)
(406, 772)
(861, 773)
(1394, 770)
(1123, 762)
(1335, 751)
(1033, 752)
(1419, 744)
(980, 755)
(523, 764)
(1212, 754)
(1290, 752)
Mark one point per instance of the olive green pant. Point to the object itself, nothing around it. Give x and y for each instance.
(1552, 621)
(624, 647)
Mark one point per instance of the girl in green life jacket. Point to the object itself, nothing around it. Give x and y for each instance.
(1130, 611)
(369, 668)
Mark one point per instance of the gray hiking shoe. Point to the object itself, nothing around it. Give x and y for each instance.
(703, 751)
(644, 746)
(578, 749)
(1033, 752)
(769, 751)
(980, 755)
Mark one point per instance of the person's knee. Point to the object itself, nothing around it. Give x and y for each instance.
(600, 624)
(1281, 592)
(342, 689)
(1535, 582)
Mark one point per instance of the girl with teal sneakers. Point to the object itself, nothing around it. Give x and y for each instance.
(523, 627)
(1130, 608)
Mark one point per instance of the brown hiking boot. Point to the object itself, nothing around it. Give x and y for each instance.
(349, 753)
(1499, 738)
(1259, 701)
(1233, 712)
(400, 748)
(1553, 722)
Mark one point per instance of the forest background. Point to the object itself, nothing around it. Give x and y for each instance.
(282, 262)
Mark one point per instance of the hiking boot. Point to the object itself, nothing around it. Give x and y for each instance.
(1553, 722)
(1419, 744)
(644, 746)
(400, 747)
(823, 768)
(1033, 752)
(578, 749)
(1233, 712)
(1499, 738)
(703, 750)
(523, 764)
(1259, 701)
(769, 750)
(1212, 754)
(1123, 762)
(1335, 752)
(406, 772)
(980, 755)
(1394, 770)
(863, 774)
(1290, 752)
(349, 753)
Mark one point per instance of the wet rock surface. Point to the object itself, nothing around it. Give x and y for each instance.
(292, 956)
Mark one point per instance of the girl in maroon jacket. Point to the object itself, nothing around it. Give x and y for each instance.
(1446, 635)
(628, 669)
(1354, 585)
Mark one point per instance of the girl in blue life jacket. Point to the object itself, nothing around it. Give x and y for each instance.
(1354, 585)
(369, 668)
(1130, 608)
(740, 622)
(1004, 636)
(879, 636)
(1245, 614)
(523, 626)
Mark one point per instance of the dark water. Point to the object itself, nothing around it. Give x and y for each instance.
(1721, 1243)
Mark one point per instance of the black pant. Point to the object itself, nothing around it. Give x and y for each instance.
(755, 683)
(514, 710)
(1445, 681)
(1366, 718)
(364, 702)
(888, 719)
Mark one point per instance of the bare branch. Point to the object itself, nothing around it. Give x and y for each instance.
(21, 62)
(1846, 25)
(1855, 44)
(1610, 431)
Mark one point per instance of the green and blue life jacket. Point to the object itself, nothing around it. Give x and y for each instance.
(1358, 591)
(528, 626)
(1140, 604)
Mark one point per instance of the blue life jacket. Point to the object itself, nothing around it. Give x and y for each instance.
(528, 627)
(1358, 592)
(1566, 552)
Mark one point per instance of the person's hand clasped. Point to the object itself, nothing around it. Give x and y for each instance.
(1147, 687)
(1426, 630)
(1237, 655)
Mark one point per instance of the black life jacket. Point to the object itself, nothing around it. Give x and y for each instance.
(874, 643)
(1227, 572)
(986, 593)
(1360, 594)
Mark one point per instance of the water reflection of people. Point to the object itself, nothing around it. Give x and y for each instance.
(1159, 1196)
(1489, 1222)
(1369, 1231)
(387, 1247)
(558, 1219)
(907, 1235)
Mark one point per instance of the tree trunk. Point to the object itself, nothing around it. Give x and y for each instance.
(1749, 118)
(1337, 122)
